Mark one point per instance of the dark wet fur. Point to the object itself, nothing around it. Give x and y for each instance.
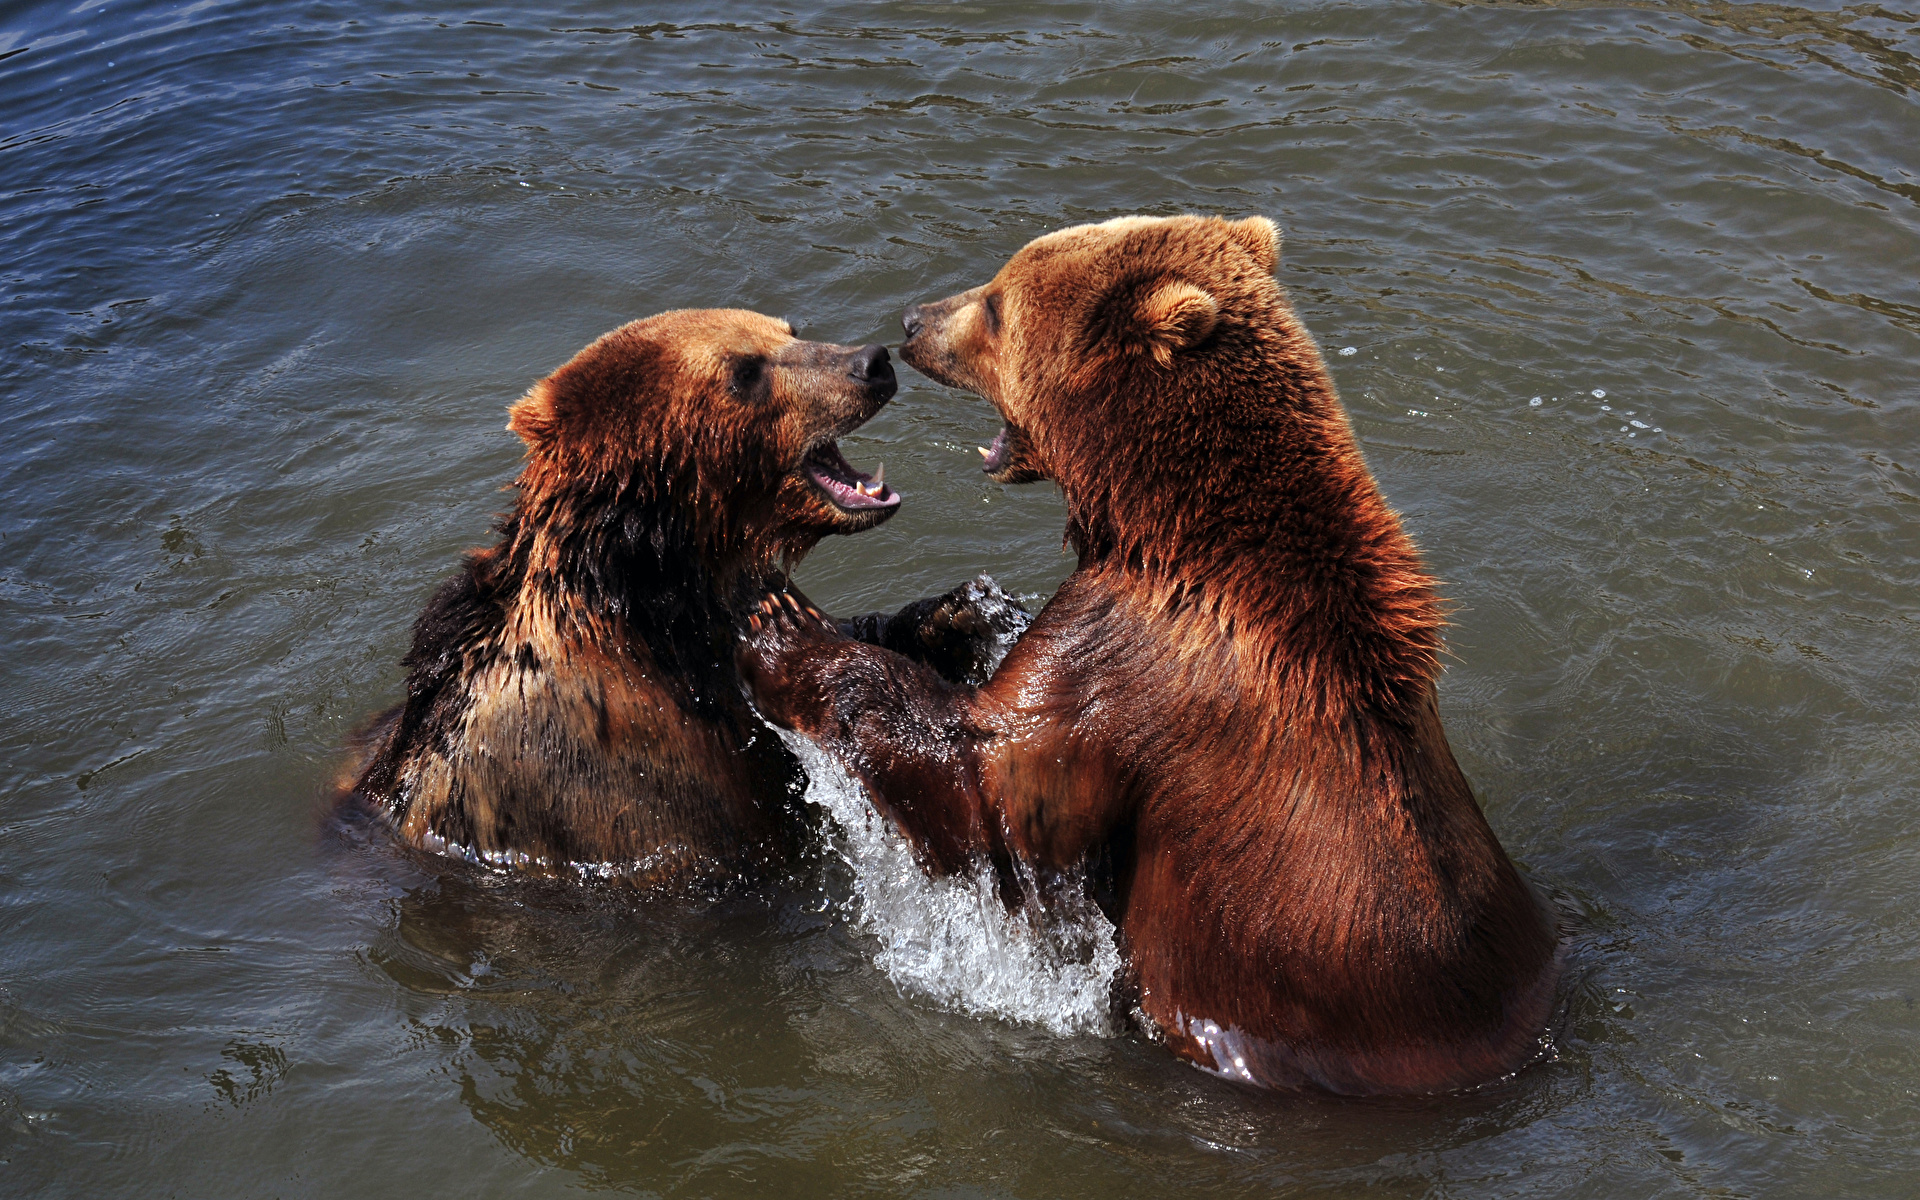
(1226, 716)
(572, 704)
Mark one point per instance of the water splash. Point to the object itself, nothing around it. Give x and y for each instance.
(951, 940)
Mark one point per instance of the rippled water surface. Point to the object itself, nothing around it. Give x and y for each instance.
(269, 274)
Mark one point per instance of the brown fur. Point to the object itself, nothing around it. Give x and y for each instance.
(1228, 711)
(572, 702)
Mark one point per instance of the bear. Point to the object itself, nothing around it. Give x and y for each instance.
(572, 702)
(1223, 725)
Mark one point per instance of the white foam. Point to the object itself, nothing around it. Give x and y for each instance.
(951, 940)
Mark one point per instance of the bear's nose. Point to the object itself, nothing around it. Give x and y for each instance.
(869, 362)
(910, 320)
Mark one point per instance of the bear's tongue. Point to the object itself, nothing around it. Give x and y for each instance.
(834, 475)
(996, 457)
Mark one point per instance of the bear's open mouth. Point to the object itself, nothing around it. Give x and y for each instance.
(997, 456)
(847, 488)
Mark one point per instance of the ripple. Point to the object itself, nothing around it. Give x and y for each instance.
(271, 277)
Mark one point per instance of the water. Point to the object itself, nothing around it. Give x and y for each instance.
(269, 277)
(953, 939)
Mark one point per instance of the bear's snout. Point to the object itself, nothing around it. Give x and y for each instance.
(911, 320)
(871, 364)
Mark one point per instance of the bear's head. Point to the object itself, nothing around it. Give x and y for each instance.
(1098, 338)
(715, 428)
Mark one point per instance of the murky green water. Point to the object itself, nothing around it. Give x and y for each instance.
(269, 275)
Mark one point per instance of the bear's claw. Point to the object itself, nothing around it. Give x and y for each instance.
(784, 636)
(777, 606)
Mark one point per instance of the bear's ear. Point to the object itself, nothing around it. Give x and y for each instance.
(1174, 317)
(1260, 238)
(532, 416)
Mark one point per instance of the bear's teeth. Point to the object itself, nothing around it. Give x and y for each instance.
(984, 452)
(879, 477)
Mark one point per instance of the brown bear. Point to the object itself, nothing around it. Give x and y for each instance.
(1224, 722)
(572, 700)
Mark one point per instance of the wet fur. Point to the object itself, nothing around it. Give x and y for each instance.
(1228, 710)
(572, 703)
(588, 718)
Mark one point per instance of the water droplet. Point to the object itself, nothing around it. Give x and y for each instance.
(952, 939)
(1623, 429)
(1606, 408)
(1349, 351)
(1534, 403)
(524, 183)
(1639, 424)
(1599, 393)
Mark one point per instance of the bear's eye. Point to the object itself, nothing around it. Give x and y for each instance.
(748, 379)
(992, 307)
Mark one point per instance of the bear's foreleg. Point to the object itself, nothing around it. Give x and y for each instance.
(893, 723)
(937, 758)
